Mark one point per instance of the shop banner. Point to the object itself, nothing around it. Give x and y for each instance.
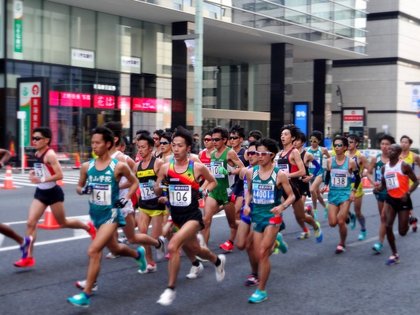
(30, 102)
(353, 118)
(82, 58)
(18, 28)
(130, 64)
(104, 101)
(144, 104)
(70, 99)
(301, 116)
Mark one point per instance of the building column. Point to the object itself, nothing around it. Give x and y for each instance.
(181, 65)
(322, 97)
(281, 87)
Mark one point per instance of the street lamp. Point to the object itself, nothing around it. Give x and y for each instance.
(341, 105)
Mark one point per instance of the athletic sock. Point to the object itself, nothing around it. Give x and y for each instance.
(218, 262)
(196, 263)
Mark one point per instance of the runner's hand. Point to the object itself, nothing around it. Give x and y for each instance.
(120, 203)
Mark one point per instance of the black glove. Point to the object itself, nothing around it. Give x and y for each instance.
(87, 190)
(120, 203)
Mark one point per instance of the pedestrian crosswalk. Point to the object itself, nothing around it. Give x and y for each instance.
(22, 180)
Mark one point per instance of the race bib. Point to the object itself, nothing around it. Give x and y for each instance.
(284, 168)
(391, 181)
(263, 194)
(147, 191)
(39, 170)
(180, 195)
(101, 195)
(339, 179)
(214, 169)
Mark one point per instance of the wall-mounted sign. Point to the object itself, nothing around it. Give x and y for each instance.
(130, 64)
(353, 117)
(18, 29)
(82, 58)
(144, 104)
(104, 101)
(30, 102)
(301, 116)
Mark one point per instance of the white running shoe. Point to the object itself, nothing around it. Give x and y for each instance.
(111, 256)
(195, 271)
(161, 251)
(220, 270)
(81, 284)
(167, 297)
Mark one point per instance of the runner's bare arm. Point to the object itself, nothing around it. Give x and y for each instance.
(122, 169)
(82, 178)
(51, 159)
(234, 161)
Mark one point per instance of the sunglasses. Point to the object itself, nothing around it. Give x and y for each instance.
(216, 139)
(338, 145)
(233, 138)
(37, 138)
(155, 138)
(207, 139)
(164, 142)
(264, 153)
(251, 153)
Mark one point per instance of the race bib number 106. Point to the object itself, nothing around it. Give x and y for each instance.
(180, 195)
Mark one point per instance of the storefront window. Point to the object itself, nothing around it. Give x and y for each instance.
(108, 49)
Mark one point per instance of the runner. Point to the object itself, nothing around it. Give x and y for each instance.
(290, 162)
(183, 176)
(157, 134)
(266, 185)
(395, 177)
(165, 147)
(5, 157)
(318, 153)
(236, 137)
(100, 179)
(151, 211)
(338, 177)
(254, 135)
(411, 159)
(220, 158)
(361, 163)
(205, 154)
(46, 172)
(375, 177)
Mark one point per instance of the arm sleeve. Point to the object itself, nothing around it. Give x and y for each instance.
(327, 177)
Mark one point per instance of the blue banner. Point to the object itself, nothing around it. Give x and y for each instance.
(300, 114)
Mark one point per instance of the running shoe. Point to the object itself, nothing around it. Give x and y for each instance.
(81, 284)
(167, 297)
(281, 244)
(25, 262)
(26, 246)
(141, 260)
(352, 220)
(318, 233)
(160, 252)
(195, 271)
(251, 281)
(304, 235)
(393, 260)
(227, 246)
(92, 230)
(340, 249)
(377, 248)
(123, 240)
(80, 300)
(362, 235)
(111, 256)
(258, 297)
(220, 270)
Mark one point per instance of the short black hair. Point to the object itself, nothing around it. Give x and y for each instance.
(253, 143)
(255, 134)
(223, 131)
(294, 130)
(239, 130)
(389, 138)
(116, 128)
(301, 136)
(143, 131)
(343, 139)
(317, 134)
(167, 136)
(159, 132)
(106, 133)
(270, 144)
(354, 137)
(185, 134)
(147, 138)
(45, 132)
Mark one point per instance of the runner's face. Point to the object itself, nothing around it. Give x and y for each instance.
(264, 156)
(314, 142)
(39, 141)
(286, 137)
(235, 140)
(208, 143)
(144, 148)
(385, 144)
(156, 139)
(220, 141)
(165, 145)
(339, 147)
(252, 155)
(179, 148)
(405, 144)
(352, 144)
(99, 146)
(297, 143)
(393, 151)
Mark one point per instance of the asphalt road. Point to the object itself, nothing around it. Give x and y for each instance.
(309, 279)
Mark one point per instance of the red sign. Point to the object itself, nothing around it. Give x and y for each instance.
(144, 104)
(124, 102)
(69, 99)
(104, 101)
(353, 118)
(54, 98)
(35, 112)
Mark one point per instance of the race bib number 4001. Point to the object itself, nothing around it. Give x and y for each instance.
(101, 195)
(180, 195)
(263, 194)
(147, 191)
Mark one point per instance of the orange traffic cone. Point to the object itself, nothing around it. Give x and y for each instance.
(76, 161)
(366, 182)
(8, 180)
(50, 223)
